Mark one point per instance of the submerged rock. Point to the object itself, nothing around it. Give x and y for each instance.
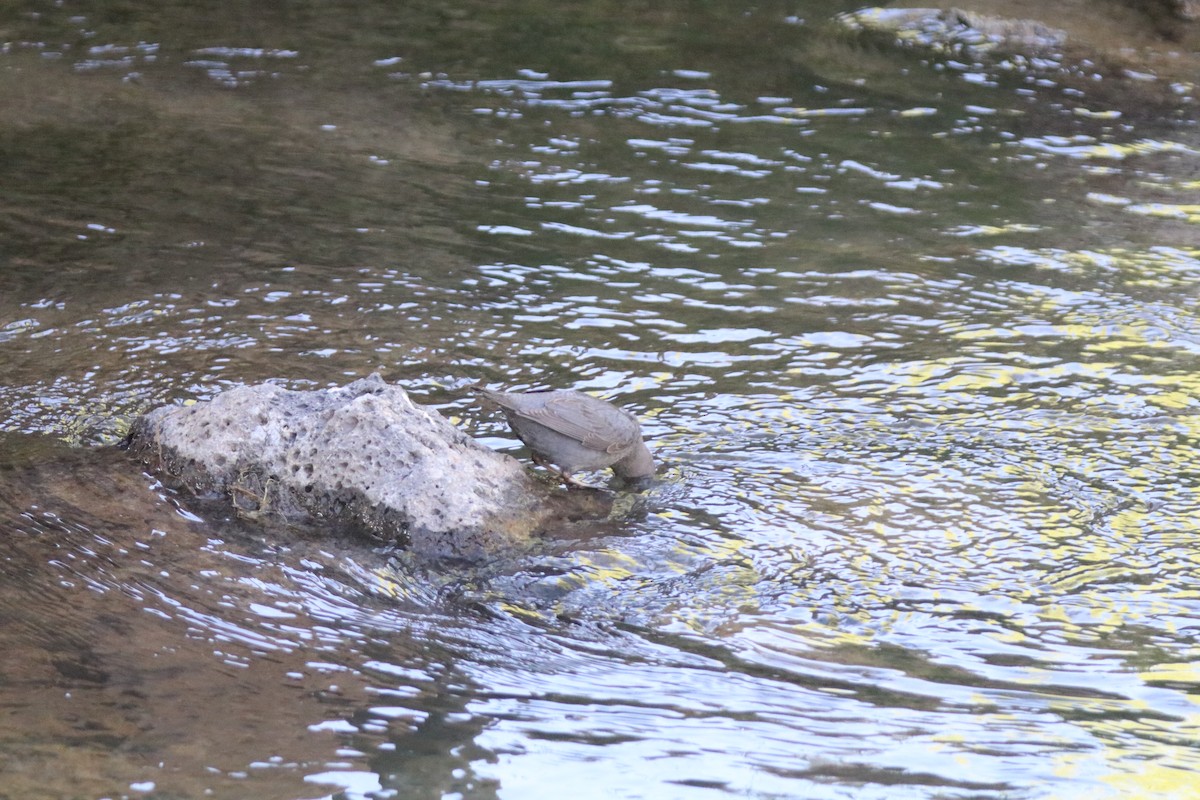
(364, 455)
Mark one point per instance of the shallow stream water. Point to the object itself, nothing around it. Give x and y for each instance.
(915, 338)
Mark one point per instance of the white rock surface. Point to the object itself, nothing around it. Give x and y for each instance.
(363, 455)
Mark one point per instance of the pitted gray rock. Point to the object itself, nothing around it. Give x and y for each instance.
(364, 455)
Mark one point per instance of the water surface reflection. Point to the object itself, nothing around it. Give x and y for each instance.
(916, 347)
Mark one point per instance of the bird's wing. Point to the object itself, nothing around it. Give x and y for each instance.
(589, 421)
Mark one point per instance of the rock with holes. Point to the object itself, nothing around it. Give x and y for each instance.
(363, 455)
(953, 29)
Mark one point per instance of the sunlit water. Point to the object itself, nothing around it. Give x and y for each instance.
(915, 340)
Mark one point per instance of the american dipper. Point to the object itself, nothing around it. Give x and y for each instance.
(575, 431)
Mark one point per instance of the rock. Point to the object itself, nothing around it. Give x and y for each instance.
(1185, 9)
(946, 28)
(1141, 58)
(363, 456)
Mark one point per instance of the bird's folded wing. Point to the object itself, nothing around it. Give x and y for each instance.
(593, 426)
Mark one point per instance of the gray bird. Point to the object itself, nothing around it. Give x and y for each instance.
(575, 431)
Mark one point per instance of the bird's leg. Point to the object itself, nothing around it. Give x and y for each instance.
(571, 483)
(563, 476)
